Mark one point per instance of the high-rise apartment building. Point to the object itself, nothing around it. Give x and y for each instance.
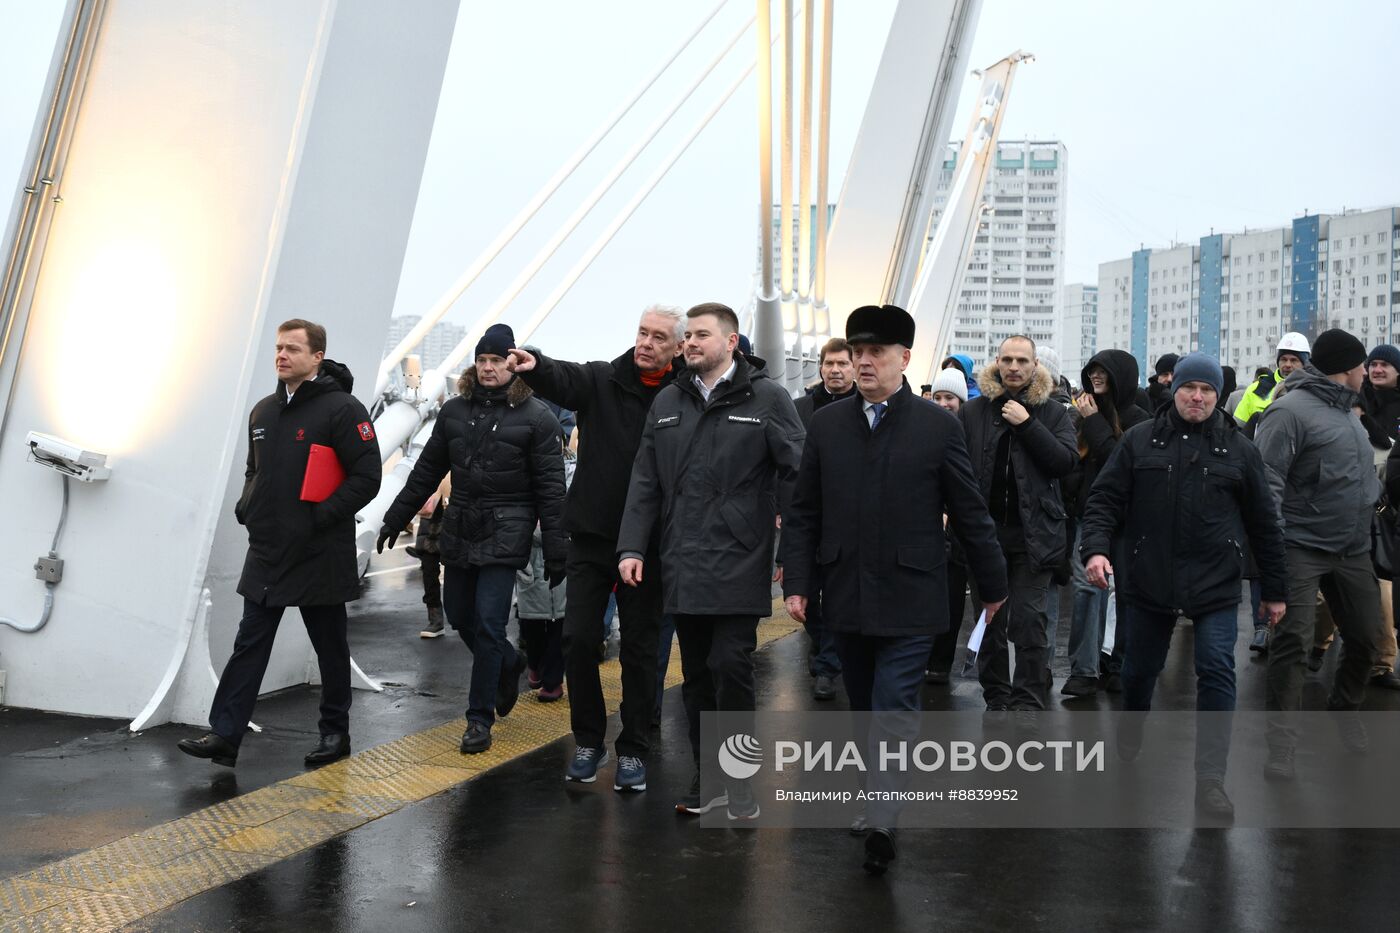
(439, 342)
(1235, 294)
(1079, 330)
(1015, 276)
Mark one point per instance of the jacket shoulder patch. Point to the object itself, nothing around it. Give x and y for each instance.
(366, 431)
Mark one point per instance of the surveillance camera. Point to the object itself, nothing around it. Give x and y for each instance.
(86, 466)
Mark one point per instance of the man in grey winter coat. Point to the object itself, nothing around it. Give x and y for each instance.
(719, 453)
(1319, 460)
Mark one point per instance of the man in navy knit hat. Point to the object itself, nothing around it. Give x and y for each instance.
(1188, 534)
(1320, 469)
(1380, 393)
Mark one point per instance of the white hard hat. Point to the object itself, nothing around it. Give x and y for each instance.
(1295, 342)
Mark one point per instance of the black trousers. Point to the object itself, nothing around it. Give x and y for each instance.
(432, 582)
(945, 646)
(252, 648)
(592, 574)
(544, 649)
(717, 664)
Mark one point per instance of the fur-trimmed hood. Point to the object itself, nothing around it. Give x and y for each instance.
(1037, 393)
(517, 392)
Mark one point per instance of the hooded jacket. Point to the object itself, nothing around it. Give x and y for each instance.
(1041, 451)
(1096, 438)
(610, 401)
(1319, 463)
(712, 476)
(1186, 501)
(969, 371)
(502, 448)
(303, 553)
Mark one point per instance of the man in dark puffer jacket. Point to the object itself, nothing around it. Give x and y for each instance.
(502, 446)
(1185, 491)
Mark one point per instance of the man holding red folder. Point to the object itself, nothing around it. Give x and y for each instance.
(313, 462)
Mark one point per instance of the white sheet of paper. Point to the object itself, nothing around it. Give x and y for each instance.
(974, 641)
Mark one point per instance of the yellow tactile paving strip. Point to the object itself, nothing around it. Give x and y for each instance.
(119, 883)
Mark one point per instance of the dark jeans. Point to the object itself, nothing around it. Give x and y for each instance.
(476, 601)
(432, 585)
(884, 675)
(822, 659)
(1354, 597)
(252, 648)
(717, 663)
(1214, 634)
(592, 572)
(544, 649)
(945, 646)
(1022, 622)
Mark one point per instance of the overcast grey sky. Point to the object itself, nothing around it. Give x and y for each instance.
(1179, 116)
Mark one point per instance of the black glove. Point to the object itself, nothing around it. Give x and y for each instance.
(386, 534)
(554, 573)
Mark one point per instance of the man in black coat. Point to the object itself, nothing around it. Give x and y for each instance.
(718, 458)
(300, 553)
(1380, 393)
(837, 369)
(1022, 443)
(611, 401)
(878, 472)
(1186, 489)
(502, 447)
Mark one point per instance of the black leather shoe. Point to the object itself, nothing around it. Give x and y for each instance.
(477, 738)
(1212, 801)
(879, 851)
(331, 748)
(508, 690)
(212, 746)
(1387, 679)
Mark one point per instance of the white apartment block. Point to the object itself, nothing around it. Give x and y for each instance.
(1079, 333)
(1015, 276)
(439, 342)
(1234, 295)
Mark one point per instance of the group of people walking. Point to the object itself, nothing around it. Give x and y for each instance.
(893, 510)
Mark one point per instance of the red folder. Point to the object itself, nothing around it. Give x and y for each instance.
(324, 474)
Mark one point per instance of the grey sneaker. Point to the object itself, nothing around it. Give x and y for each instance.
(1279, 766)
(742, 805)
(631, 775)
(584, 767)
(434, 626)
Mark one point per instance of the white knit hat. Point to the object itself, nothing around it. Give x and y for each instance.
(951, 380)
(1050, 360)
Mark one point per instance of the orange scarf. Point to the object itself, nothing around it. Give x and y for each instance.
(654, 379)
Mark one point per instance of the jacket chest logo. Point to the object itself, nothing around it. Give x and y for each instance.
(301, 434)
(669, 419)
(743, 419)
